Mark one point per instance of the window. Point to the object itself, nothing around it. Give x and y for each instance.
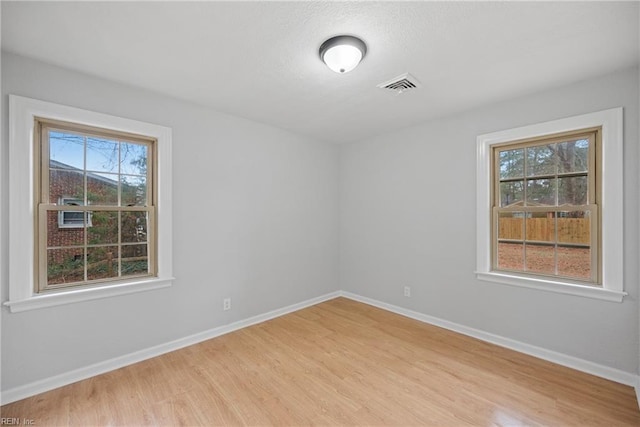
(545, 206)
(109, 176)
(90, 205)
(72, 219)
(549, 206)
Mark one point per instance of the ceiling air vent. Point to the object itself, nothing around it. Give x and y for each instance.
(401, 83)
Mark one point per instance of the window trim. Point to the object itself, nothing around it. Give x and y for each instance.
(611, 209)
(22, 114)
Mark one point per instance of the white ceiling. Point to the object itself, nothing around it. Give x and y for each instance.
(259, 60)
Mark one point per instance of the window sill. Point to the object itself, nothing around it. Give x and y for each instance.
(87, 294)
(552, 286)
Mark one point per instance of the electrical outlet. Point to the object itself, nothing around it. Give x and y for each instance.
(226, 304)
(407, 291)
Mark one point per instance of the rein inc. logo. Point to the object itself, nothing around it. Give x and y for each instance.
(17, 422)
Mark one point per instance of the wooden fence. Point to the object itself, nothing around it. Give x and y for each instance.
(570, 230)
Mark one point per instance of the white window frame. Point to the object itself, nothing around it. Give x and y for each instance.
(61, 214)
(612, 228)
(22, 114)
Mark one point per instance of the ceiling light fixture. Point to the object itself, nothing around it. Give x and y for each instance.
(342, 53)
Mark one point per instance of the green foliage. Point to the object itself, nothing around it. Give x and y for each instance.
(134, 267)
(71, 269)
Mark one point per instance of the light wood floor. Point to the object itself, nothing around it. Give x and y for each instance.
(338, 363)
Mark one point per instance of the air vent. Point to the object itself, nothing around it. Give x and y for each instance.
(401, 83)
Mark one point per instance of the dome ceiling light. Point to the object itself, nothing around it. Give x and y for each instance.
(342, 53)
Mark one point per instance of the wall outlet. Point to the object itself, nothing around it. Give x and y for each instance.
(226, 304)
(407, 291)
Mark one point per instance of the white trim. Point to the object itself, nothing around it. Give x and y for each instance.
(73, 295)
(551, 285)
(592, 368)
(612, 203)
(41, 386)
(22, 112)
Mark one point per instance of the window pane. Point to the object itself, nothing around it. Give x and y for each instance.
(541, 160)
(58, 235)
(133, 158)
(134, 227)
(65, 265)
(104, 228)
(512, 163)
(574, 262)
(71, 219)
(541, 226)
(65, 184)
(573, 156)
(510, 256)
(102, 189)
(102, 155)
(540, 258)
(66, 150)
(511, 193)
(134, 190)
(135, 260)
(572, 190)
(510, 225)
(102, 262)
(574, 227)
(541, 192)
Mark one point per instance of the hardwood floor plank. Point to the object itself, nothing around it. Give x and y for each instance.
(338, 363)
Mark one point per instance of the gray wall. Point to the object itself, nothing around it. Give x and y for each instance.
(407, 218)
(255, 219)
(258, 211)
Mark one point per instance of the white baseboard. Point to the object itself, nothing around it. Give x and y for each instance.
(66, 378)
(606, 372)
(51, 383)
